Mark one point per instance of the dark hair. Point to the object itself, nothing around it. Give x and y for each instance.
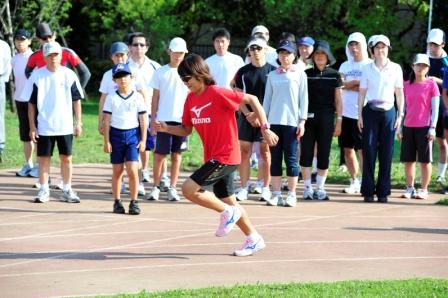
(193, 65)
(221, 32)
(138, 34)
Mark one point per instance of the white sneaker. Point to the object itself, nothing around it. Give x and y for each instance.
(60, 184)
(308, 193)
(241, 194)
(285, 185)
(145, 176)
(154, 195)
(42, 196)
(24, 171)
(141, 189)
(258, 187)
(34, 171)
(228, 219)
(69, 196)
(164, 183)
(440, 180)
(409, 193)
(321, 194)
(250, 247)
(422, 194)
(276, 200)
(355, 187)
(172, 194)
(265, 194)
(291, 199)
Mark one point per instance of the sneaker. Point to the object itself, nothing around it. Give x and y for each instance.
(37, 184)
(123, 188)
(276, 200)
(42, 196)
(265, 194)
(291, 199)
(422, 194)
(154, 195)
(355, 187)
(69, 196)
(253, 162)
(314, 177)
(241, 194)
(258, 187)
(118, 207)
(24, 171)
(285, 185)
(320, 194)
(60, 184)
(250, 247)
(227, 221)
(441, 180)
(145, 176)
(308, 193)
(34, 172)
(172, 194)
(409, 193)
(133, 208)
(141, 189)
(164, 183)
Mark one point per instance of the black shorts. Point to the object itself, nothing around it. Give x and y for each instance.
(248, 133)
(24, 124)
(415, 145)
(350, 136)
(217, 174)
(167, 143)
(442, 124)
(45, 145)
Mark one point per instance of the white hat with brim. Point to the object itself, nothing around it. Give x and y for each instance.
(421, 59)
(258, 42)
(436, 36)
(178, 44)
(381, 38)
(51, 48)
(259, 29)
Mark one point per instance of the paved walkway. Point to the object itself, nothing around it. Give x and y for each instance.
(61, 249)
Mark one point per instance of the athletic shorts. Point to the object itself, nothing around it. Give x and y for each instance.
(124, 144)
(350, 136)
(45, 145)
(442, 124)
(150, 140)
(167, 143)
(24, 124)
(415, 145)
(248, 133)
(217, 174)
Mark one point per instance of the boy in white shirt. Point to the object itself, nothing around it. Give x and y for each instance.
(125, 124)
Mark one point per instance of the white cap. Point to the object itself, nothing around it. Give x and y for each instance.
(371, 39)
(257, 41)
(381, 38)
(356, 36)
(421, 59)
(51, 47)
(436, 36)
(178, 44)
(259, 29)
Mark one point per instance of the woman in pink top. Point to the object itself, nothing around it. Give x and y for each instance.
(421, 105)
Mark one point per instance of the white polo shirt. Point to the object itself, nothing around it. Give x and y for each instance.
(53, 94)
(124, 111)
(145, 72)
(18, 68)
(381, 84)
(223, 68)
(172, 93)
(5, 61)
(108, 85)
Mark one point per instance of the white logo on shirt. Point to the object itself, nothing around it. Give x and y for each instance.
(198, 111)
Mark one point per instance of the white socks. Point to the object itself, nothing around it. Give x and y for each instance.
(441, 169)
(320, 181)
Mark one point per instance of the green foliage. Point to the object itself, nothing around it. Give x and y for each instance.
(443, 202)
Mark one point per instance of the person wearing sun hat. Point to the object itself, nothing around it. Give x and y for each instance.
(261, 31)
(324, 92)
(380, 87)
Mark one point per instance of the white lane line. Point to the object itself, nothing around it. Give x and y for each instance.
(414, 258)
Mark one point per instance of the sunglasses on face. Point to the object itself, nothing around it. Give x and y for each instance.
(142, 45)
(45, 38)
(185, 79)
(255, 48)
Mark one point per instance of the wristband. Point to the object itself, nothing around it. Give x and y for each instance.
(265, 126)
(339, 118)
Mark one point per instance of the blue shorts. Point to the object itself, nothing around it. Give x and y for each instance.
(124, 144)
(167, 143)
(150, 140)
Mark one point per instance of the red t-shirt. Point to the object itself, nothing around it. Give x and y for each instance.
(212, 114)
(69, 59)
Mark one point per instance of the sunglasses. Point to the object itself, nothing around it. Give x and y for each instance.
(255, 48)
(185, 79)
(46, 37)
(142, 45)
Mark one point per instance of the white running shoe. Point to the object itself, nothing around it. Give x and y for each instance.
(164, 183)
(173, 195)
(154, 195)
(241, 194)
(276, 200)
(34, 171)
(409, 193)
(42, 196)
(141, 189)
(258, 187)
(60, 184)
(321, 194)
(69, 196)
(145, 176)
(441, 180)
(250, 247)
(422, 194)
(266, 194)
(291, 199)
(308, 193)
(24, 171)
(355, 187)
(228, 219)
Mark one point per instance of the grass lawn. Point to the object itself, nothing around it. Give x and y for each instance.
(389, 288)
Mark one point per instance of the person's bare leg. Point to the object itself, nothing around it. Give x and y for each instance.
(351, 162)
(246, 152)
(176, 159)
(117, 176)
(44, 169)
(265, 167)
(132, 171)
(426, 170)
(159, 160)
(409, 171)
(66, 168)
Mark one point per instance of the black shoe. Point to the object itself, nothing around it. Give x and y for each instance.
(313, 177)
(445, 191)
(133, 208)
(382, 200)
(368, 199)
(118, 207)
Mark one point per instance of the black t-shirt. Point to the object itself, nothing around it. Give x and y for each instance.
(436, 70)
(321, 89)
(252, 79)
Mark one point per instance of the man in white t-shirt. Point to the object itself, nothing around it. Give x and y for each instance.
(350, 139)
(22, 42)
(54, 94)
(169, 94)
(5, 71)
(223, 65)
